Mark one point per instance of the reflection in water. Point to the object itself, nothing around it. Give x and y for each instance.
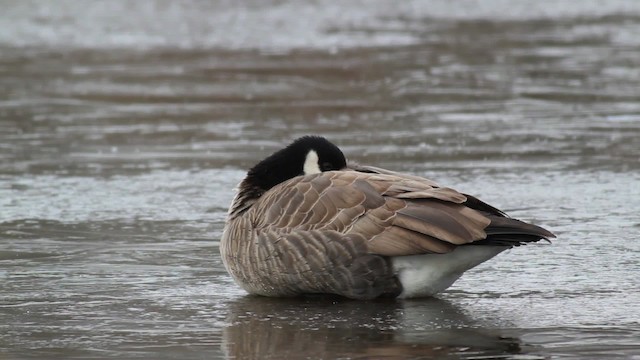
(331, 328)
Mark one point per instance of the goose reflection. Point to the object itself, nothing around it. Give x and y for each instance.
(329, 328)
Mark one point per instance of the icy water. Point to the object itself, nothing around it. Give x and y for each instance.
(124, 127)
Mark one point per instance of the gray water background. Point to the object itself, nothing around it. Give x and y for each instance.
(124, 127)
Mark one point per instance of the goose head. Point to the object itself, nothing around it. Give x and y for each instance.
(304, 156)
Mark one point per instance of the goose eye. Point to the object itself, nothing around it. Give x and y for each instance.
(326, 166)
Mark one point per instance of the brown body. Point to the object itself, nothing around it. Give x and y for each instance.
(338, 232)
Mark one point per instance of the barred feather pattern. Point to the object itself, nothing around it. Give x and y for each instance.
(335, 232)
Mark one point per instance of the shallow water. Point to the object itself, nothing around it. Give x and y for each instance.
(122, 137)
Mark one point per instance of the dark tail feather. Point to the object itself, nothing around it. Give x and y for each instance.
(477, 204)
(504, 231)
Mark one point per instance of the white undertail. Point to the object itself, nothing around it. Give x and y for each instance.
(428, 274)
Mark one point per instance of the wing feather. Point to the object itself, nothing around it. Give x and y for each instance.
(333, 232)
(396, 214)
(397, 241)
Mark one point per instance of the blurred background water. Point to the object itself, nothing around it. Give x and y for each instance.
(124, 127)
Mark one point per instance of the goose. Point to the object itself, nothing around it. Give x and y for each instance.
(305, 221)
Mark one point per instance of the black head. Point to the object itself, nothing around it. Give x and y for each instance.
(306, 155)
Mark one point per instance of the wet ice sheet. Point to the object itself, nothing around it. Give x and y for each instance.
(271, 26)
(102, 277)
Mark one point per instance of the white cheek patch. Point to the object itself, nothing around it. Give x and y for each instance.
(311, 163)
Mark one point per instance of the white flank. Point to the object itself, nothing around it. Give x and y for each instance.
(311, 165)
(429, 274)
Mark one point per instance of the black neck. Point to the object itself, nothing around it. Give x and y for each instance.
(275, 169)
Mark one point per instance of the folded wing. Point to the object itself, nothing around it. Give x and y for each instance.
(396, 214)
